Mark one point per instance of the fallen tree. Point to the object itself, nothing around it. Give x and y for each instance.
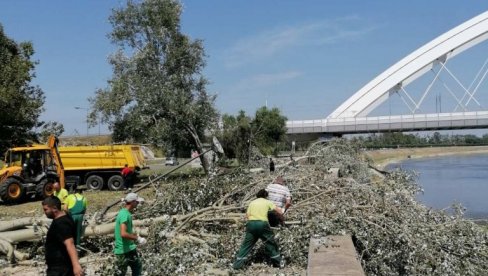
(197, 225)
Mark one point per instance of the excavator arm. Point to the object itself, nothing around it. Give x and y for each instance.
(52, 142)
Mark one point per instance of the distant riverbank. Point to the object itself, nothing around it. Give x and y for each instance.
(383, 157)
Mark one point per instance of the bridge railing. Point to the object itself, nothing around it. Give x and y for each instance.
(303, 126)
(432, 121)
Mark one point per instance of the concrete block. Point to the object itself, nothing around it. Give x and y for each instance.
(333, 255)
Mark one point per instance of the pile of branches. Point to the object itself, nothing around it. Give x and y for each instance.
(393, 233)
(195, 225)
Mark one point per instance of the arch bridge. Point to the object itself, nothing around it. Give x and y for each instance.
(408, 82)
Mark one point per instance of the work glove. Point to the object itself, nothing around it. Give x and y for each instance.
(141, 240)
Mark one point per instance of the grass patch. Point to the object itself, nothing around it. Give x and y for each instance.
(97, 200)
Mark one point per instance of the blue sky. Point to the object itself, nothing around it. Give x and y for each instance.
(304, 57)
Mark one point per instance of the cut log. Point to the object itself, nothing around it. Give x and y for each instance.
(12, 254)
(30, 234)
(37, 232)
(108, 228)
(21, 223)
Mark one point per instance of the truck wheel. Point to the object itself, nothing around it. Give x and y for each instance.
(115, 183)
(94, 182)
(45, 188)
(12, 191)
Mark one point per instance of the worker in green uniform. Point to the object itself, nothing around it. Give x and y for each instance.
(257, 227)
(125, 239)
(76, 207)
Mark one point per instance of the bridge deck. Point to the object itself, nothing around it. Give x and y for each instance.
(418, 122)
(333, 255)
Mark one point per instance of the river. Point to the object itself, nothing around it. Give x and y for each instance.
(452, 179)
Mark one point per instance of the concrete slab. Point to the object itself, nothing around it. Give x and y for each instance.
(333, 255)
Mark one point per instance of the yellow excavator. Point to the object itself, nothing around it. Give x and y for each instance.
(31, 171)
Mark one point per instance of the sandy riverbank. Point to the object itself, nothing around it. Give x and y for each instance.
(383, 157)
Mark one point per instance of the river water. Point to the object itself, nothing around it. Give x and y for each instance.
(452, 179)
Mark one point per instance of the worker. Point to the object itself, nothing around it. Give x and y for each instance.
(127, 174)
(125, 247)
(293, 162)
(271, 165)
(280, 195)
(76, 208)
(61, 256)
(34, 166)
(257, 227)
(60, 193)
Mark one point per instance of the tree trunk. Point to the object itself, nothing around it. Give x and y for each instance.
(20, 223)
(7, 238)
(36, 233)
(199, 147)
(12, 254)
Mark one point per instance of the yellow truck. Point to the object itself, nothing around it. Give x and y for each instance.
(30, 171)
(100, 166)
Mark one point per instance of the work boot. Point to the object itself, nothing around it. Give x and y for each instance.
(282, 263)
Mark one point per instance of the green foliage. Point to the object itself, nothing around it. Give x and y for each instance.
(265, 131)
(235, 135)
(20, 102)
(157, 93)
(398, 139)
(268, 128)
(49, 128)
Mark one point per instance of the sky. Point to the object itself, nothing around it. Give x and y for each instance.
(304, 57)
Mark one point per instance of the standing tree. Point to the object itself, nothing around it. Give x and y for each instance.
(236, 135)
(268, 128)
(157, 93)
(21, 103)
(241, 133)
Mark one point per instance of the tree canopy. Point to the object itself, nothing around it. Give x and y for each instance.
(21, 102)
(268, 128)
(51, 127)
(399, 139)
(157, 93)
(240, 133)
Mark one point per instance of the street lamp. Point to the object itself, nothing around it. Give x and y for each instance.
(87, 109)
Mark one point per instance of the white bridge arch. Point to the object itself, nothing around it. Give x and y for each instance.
(413, 66)
(351, 116)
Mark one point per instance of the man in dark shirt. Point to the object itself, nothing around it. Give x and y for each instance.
(61, 256)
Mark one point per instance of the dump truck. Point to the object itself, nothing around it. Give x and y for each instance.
(31, 171)
(100, 166)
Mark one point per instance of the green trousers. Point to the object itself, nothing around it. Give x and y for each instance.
(131, 259)
(255, 230)
(77, 212)
(78, 219)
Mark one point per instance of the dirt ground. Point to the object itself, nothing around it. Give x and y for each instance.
(383, 157)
